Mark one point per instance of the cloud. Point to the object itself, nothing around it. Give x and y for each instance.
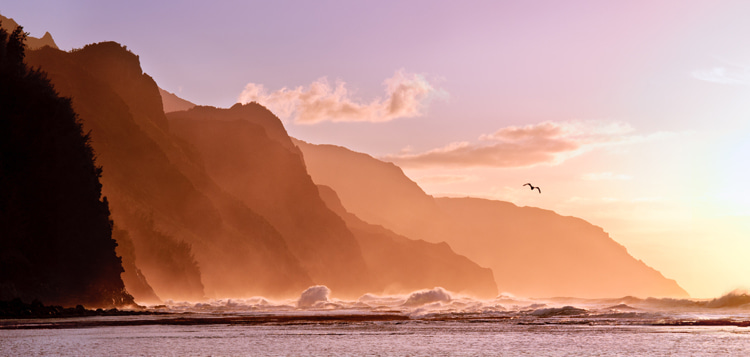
(519, 146)
(407, 95)
(732, 75)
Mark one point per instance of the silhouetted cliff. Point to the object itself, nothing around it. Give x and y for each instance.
(191, 239)
(531, 251)
(55, 230)
(133, 277)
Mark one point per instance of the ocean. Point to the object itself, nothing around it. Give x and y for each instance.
(427, 323)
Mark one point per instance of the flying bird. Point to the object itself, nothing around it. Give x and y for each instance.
(532, 187)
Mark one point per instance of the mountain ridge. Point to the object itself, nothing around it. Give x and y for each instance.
(32, 43)
(250, 154)
(527, 258)
(172, 103)
(56, 239)
(219, 185)
(213, 202)
(247, 152)
(431, 264)
(158, 190)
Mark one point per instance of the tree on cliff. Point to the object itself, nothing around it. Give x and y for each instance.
(55, 230)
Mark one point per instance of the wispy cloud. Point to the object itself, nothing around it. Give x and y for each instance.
(519, 146)
(730, 74)
(406, 96)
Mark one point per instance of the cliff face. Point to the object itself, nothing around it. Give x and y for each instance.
(218, 203)
(400, 264)
(32, 43)
(536, 252)
(173, 103)
(377, 192)
(215, 202)
(55, 230)
(247, 152)
(191, 238)
(532, 252)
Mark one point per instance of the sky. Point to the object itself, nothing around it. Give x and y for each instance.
(633, 115)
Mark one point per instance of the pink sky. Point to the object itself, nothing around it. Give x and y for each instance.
(632, 115)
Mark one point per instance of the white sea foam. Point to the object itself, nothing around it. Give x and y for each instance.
(314, 296)
(425, 322)
(423, 297)
(437, 302)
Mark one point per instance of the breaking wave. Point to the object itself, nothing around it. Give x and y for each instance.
(440, 304)
(314, 296)
(737, 298)
(558, 311)
(423, 297)
(318, 305)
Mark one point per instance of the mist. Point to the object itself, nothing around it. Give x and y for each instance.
(211, 203)
(531, 251)
(215, 203)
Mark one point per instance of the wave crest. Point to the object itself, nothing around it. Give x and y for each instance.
(736, 298)
(423, 297)
(314, 295)
(558, 311)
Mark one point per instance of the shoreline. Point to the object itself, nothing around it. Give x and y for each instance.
(17, 309)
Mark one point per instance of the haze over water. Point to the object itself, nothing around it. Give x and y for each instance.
(361, 151)
(428, 322)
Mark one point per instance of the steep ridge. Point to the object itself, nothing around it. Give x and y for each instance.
(133, 277)
(218, 202)
(172, 103)
(191, 238)
(247, 152)
(56, 243)
(562, 256)
(377, 192)
(532, 252)
(401, 265)
(32, 43)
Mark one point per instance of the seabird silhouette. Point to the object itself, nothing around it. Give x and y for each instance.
(532, 187)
